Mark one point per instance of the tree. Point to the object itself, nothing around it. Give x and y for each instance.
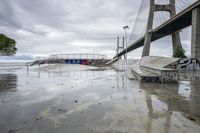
(179, 52)
(7, 45)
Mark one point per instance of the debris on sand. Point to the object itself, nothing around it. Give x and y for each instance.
(62, 110)
(38, 118)
(190, 118)
(12, 131)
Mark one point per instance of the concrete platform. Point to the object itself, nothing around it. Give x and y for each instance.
(145, 76)
(158, 62)
(153, 69)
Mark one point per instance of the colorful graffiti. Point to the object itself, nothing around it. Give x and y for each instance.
(189, 64)
(80, 61)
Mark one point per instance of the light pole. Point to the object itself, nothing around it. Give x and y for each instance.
(125, 29)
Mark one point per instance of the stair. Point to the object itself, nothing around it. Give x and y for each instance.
(145, 76)
(152, 69)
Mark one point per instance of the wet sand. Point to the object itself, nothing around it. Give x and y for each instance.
(95, 100)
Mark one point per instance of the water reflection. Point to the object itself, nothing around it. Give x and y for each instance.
(8, 81)
(69, 74)
(121, 81)
(162, 100)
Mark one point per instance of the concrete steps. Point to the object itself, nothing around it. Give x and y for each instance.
(145, 76)
(152, 69)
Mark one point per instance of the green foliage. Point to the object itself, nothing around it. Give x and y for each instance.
(7, 45)
(179, 52)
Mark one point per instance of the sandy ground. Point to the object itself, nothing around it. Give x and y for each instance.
(81, 99)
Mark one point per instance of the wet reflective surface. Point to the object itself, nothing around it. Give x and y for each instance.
(96, 100)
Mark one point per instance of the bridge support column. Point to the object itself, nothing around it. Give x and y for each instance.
(195, 47)
(147, 41)
(119, 47)
(176, 40)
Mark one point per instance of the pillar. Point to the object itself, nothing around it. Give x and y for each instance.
(117, 46)
(195, 47)
(176, 40)
(147, 41)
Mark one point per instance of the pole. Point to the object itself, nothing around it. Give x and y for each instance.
(117, 46)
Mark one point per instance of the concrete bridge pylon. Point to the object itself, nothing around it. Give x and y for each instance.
(176, 41)
(120, 47)
(195, 47)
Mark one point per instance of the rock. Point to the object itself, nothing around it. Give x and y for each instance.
(190, 118)
(25, 122)
(38, 118)
(12, 131)
(62, 110)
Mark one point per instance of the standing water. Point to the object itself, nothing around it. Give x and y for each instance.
(84, 99)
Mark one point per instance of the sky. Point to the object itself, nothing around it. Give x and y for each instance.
(44, 27)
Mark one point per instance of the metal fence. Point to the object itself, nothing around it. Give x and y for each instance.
(72, 56)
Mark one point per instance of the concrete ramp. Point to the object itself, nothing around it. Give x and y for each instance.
(154, 69)
(157, 62)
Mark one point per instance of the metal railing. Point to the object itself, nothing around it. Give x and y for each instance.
(72, 56)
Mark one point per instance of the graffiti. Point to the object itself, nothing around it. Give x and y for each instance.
(169, 75)
(188, 64)
(74, 61)
(151, 79)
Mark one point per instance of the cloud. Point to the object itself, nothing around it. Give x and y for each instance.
(43, 27)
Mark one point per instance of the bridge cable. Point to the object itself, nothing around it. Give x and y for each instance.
(135, 34)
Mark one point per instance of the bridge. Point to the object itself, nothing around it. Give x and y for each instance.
(188, 17)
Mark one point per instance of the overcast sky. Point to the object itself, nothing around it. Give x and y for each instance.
(43, 27)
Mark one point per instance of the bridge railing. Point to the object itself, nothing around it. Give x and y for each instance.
(73, 56)
(42, 58)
